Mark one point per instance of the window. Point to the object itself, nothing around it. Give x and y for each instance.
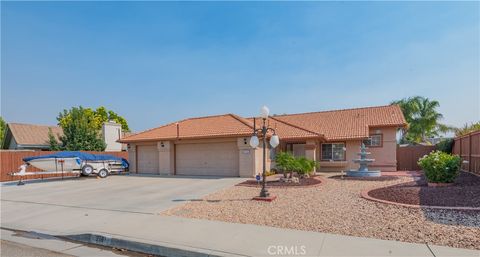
(374, 141)
(335, 152)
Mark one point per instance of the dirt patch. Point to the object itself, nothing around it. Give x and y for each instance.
(465, 192)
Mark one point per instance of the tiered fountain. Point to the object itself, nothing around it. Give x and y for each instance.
(363, 161)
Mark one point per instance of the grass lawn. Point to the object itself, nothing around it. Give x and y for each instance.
(335, 206)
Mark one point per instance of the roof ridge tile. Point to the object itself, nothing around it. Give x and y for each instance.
(337, 110)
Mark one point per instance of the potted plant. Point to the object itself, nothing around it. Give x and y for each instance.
(440, 168)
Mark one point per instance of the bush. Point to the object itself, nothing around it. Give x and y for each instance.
(287, 163)
(440, 167)
(306, 166)
(446, 145)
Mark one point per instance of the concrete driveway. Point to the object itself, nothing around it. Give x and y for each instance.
(138, 194)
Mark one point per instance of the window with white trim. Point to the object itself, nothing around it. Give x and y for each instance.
(374, 140)
(334, 152)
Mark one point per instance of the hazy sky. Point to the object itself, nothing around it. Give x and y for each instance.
(157, 62)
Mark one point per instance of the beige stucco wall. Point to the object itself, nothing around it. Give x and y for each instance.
(111, 132)
(246, 158)
(385, 156)
(259, 159)
(131, 149)
(250, 160)
(165, 157)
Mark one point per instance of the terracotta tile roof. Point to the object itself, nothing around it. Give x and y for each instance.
(286, 130)
(202, 127)
(29, 134)
(348, 123)
(331, 125)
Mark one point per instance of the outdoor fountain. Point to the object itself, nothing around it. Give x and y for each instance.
(363, 169)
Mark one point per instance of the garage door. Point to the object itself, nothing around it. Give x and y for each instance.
(147, 159)
(214, 159)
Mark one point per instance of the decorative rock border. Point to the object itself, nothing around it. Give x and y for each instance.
(434, 184)
(319, 178)
(364, 194)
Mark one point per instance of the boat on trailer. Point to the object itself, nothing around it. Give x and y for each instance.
(75, 162)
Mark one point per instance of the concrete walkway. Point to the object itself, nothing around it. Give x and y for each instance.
(172, 236)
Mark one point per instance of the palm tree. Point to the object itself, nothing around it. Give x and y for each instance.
(467, 128)
(422, 117)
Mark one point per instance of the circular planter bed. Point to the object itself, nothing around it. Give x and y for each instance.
(381, 178)
(432, 184)
(462, 194)
(274, 181)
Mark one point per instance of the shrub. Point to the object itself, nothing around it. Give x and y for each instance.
(440, 167)
(287, 163)
(446, 145)
(306, 166)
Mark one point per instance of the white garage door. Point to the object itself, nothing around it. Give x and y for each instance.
(147, 159)
(215, 159)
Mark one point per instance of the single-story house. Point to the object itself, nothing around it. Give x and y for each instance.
(219, 145)
(20, 136)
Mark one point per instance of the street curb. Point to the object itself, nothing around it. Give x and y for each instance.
(161, 249)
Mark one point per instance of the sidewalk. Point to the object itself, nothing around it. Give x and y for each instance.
(182, 237)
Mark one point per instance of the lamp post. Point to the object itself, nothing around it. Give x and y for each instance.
(274, 141)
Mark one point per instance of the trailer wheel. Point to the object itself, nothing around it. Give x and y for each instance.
(87, 170)
(103, 173)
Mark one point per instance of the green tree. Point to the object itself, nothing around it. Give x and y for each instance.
(80, 131)
(104, 115)
(422, 117)
(100, 116)
(52, 141)
(3, 128)
(446, 145)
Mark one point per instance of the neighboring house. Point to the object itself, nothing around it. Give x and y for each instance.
(20, 136)
(219, 145)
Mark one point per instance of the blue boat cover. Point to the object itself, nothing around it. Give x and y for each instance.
(80, 155)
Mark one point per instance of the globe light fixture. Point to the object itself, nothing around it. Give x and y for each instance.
(254, 141)
(264, 112)
(274, 141)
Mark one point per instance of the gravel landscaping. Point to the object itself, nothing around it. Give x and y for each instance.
(465, 192)
(274, 181)
(335, 206)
